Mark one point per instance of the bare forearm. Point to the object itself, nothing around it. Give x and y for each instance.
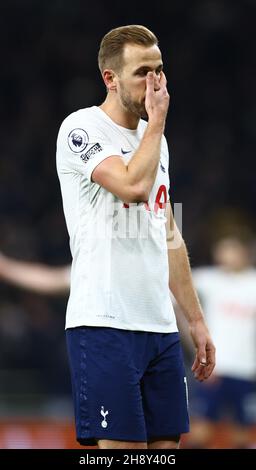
(35, 277)
(143, 166)
(181, 284)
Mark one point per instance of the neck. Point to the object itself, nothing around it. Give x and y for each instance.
(121, 116)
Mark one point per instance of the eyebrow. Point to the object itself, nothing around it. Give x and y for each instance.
(148, 69)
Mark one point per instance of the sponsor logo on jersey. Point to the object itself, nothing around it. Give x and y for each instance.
(78, 140)
(92, 151)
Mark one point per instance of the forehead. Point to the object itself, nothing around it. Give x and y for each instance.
(135, 55)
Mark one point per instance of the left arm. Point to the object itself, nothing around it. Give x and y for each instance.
(35, 277)
(181, 285)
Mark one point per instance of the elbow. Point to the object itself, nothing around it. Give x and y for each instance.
(138, 193)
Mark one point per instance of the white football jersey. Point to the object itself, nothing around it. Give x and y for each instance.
(229, 304)
(119, 275)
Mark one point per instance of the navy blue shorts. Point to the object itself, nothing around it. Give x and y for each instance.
(127, 385)
(227, 397)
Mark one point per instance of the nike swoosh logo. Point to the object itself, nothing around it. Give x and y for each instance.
(162, 167)
(124, 152)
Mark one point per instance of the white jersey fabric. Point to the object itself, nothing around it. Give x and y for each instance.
(229, 303)
(119, 275)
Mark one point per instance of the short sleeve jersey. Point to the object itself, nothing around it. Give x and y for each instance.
(120, 274)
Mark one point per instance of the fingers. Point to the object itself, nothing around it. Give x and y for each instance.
(156, 98)
(204, 364)
(209, 368)
(200, 371)
(162, 80)
(200, 357)
(150, 83)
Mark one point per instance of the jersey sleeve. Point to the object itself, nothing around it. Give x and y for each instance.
(82, 145)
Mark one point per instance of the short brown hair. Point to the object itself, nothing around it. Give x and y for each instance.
(112, 45)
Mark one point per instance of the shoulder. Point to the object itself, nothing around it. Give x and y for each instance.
(80, 128)
(79, 117)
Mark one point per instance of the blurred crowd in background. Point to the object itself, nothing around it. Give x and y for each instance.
(48, 70)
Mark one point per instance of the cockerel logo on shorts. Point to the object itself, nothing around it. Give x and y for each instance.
(104, 414)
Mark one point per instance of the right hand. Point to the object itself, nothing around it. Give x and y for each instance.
(157, 97)
(204, 362)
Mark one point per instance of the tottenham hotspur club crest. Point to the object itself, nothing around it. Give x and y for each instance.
(104, 414)
(78, 140)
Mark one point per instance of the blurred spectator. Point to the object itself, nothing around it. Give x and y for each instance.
(228, 295)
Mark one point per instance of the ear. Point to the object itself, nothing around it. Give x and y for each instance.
(109, 77)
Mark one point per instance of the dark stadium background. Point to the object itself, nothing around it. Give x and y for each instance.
(49, 69)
